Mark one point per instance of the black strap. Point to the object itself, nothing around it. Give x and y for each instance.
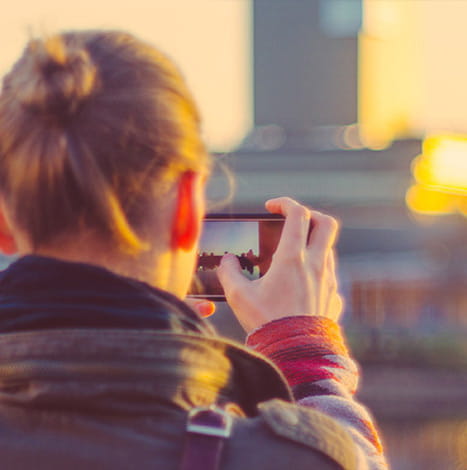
(206, 432)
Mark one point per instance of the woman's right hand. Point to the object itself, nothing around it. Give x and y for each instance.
(301, 279)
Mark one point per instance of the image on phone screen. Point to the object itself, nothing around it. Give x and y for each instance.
(253, 239)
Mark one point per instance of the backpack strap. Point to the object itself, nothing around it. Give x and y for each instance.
(206, 432)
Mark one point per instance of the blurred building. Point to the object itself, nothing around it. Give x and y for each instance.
(312, 68)
(305, 65)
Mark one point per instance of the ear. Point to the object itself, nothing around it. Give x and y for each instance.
(189, 211)
(7, 242)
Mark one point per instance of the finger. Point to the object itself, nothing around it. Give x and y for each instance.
(323, 236)
(335, 302)
(230, 274)
(331, 267)
(204, 308)
(332, 261)
(332, 273)
(336, 307)
(297, 221)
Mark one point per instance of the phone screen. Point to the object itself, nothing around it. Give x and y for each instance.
(252, 238)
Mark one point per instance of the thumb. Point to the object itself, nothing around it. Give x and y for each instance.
(230, 274)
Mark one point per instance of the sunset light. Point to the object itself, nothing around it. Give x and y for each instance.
(209, 40)
(412, 76)
(443, 164)
(441, 176)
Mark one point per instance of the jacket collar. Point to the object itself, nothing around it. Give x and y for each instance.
(38, 293)
(132, 371)
(79, 336)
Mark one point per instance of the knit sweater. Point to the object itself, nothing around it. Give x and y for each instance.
(311, 353)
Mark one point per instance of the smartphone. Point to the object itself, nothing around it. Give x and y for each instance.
(253, 238)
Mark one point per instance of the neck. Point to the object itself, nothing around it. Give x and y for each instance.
(153, 266)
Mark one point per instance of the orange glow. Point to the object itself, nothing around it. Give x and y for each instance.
(424, 200)
(387, 71)
(441, 176)
(412, 76)
(443, 164)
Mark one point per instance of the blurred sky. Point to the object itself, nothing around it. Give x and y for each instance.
(209, 40)
(236, 237)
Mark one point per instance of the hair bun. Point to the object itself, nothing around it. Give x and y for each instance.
(53, 78)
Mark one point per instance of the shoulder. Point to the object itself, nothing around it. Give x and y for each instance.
(288, 434)
(311, 428)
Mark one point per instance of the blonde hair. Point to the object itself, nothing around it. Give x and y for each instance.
(90, 122)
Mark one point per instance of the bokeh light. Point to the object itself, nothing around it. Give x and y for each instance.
(440, 173)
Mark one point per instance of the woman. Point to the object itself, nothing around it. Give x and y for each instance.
(102, 177)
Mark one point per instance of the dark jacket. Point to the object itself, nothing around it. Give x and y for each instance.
(98, 371)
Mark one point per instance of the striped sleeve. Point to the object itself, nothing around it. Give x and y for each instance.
(311, 353)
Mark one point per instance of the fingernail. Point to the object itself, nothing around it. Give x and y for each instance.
(205, 308)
